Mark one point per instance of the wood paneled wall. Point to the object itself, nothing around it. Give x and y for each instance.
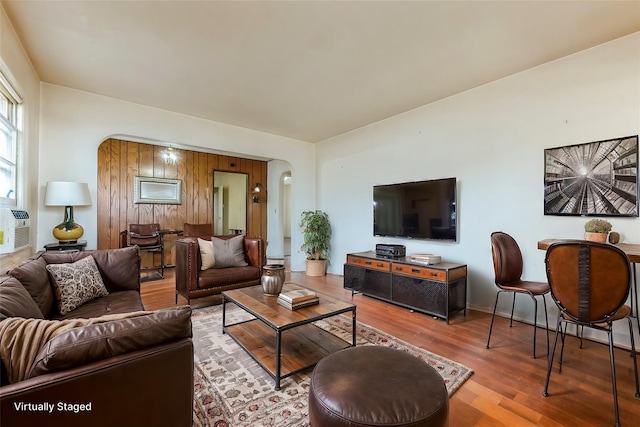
(120, 161)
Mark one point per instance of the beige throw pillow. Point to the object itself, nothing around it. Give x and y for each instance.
(76, 283)
(207, 258)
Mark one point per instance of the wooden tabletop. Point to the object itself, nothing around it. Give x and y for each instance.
(631, 249)
(266, 307)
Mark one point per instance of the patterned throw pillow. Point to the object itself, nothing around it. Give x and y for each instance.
(76, 283)
(229, 252)
(207, 259)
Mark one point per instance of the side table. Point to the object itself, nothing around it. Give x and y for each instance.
(66, 246)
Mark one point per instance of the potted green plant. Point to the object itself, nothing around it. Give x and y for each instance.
(316, 234)
(597, 230)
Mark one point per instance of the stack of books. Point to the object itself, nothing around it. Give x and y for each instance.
(294, 300)
(426, 258)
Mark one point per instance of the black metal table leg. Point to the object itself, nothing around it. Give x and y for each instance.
(278, 345)
(224, 313)
(353, 327)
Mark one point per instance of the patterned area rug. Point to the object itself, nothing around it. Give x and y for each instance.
(231, 389)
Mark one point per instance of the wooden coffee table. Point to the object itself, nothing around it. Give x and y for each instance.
(285, 341)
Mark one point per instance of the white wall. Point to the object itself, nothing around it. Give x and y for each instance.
(74, 123)
(18, 69)
(492, 139)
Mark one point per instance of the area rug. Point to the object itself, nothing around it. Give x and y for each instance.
(231, 389)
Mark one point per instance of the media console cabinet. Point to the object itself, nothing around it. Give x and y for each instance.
(435, 289)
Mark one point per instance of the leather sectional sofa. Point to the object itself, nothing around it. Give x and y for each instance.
(135, 369)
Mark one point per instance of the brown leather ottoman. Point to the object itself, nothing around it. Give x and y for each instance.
(376, 386)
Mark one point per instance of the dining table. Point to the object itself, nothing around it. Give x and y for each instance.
(632, 250)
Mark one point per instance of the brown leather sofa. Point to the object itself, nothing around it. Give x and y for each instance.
(193, 282)
(134, 371)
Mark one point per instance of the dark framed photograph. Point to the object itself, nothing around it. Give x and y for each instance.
(597, 178)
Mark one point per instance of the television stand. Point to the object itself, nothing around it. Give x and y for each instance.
(435, 289)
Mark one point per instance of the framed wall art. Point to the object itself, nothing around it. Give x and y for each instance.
(596, 178)
(157, 190)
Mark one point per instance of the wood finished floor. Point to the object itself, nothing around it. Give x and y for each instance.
(506, 386)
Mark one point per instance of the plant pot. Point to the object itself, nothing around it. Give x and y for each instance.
(595, 237)
(316, 267)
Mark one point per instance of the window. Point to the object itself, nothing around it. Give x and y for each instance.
(9, 125)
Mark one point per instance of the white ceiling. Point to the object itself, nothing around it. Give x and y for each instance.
(302, 69)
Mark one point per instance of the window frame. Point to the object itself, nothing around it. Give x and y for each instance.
(11, 124)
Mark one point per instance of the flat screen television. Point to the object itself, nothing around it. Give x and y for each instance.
(416, 210)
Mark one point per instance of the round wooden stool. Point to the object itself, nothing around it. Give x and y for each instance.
(376, 386)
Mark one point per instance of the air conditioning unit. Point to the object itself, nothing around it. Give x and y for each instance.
(14, 230)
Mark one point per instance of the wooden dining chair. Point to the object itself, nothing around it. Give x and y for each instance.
(590, 283)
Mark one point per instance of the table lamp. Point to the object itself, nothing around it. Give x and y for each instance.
(67, 194)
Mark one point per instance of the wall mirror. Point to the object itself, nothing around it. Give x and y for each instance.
(157, 190)
(229, 203)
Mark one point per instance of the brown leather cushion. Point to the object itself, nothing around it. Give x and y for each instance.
(224, 276)
(114, 303)
(146, 242)
(34, 277)
(197, 230)
(119, 268)
(376, 386)
(99, 341)
(15, 301)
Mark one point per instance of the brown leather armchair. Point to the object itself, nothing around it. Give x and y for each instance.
(197, 230)
(193, 282)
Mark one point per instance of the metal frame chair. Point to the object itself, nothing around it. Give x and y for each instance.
(590, 283)
(148, 238)
(507, 266)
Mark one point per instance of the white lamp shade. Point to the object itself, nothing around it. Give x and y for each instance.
(63, 193)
